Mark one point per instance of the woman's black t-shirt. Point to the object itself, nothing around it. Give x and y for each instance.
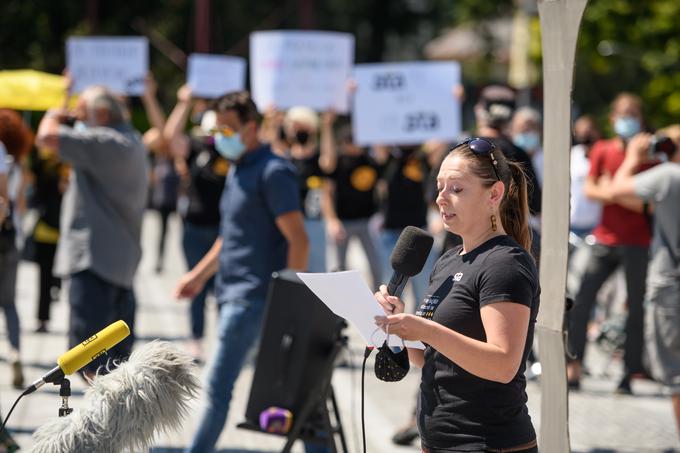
(207, 172)
(310, 178)
(355, 180)
(406, 173)
(459, 411)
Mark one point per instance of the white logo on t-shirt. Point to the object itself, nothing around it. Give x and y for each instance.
(457, 277)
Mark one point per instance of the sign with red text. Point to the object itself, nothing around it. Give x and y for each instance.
(308, 68)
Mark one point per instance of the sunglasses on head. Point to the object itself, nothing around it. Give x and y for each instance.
(482, 147)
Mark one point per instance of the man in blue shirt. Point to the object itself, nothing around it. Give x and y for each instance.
(261, 231)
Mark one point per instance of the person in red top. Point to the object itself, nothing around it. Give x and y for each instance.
(622, 238)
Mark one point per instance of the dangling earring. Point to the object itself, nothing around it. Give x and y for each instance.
(494, 227)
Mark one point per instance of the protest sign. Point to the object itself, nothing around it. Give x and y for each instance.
(309, 68)
(211, 76)
(405, 103)
(120, 63)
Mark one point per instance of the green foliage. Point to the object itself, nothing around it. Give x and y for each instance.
(630, 45)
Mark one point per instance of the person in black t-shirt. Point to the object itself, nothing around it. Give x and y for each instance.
(202, 173)
(50, 178)
(478, 319)
(350, 197)
(493, 113)
(405, 204)
(300, 126)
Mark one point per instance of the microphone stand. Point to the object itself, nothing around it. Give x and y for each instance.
(65, 393)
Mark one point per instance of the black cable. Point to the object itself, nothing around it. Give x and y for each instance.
(367, 352)
(353, 396)
(10, 411)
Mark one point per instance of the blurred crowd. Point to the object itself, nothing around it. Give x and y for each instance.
(73, 199)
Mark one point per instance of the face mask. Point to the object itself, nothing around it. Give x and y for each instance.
(302, 137)
(231, 148)
(528, 141)
(626, 126)
(79, 126)
(391, 366)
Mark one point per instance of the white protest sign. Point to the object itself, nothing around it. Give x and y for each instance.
(309, 68)
(211, 76)
(120, 63)
(405, 103)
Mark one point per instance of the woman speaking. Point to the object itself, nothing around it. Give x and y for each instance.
(477, 318)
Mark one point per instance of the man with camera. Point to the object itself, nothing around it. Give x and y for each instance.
(101, 215)
(660, 187)
(621, 239)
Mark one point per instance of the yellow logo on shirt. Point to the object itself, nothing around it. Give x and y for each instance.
(413, 171)
(363, 178)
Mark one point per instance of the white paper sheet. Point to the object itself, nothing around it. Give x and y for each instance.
(347, 295)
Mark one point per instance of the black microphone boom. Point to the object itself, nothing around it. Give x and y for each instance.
(408, 257)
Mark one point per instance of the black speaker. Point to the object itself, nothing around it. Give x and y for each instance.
(298, 337)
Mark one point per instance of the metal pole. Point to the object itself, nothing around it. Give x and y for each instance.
(560, 21)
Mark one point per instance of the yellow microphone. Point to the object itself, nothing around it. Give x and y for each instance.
(84, 353)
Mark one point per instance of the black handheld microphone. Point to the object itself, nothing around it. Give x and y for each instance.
(408, 257)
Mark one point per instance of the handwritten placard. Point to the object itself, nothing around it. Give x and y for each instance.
(211, 76)
(120, 63)
(310, 68)
(405, 103)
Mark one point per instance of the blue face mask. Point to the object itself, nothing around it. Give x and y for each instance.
(528, 141)
(79, 126)
(231, 148)
(626, 126)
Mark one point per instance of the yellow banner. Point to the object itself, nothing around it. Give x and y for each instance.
(27, 89)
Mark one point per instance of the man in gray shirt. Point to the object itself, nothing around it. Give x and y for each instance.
(660, 187)
(99, 246)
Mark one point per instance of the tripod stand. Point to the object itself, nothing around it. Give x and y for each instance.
(313, 423)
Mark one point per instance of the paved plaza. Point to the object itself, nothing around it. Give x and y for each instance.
(600, 421)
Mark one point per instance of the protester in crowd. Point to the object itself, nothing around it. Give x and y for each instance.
(478, 317)
(101, 219)
(585, 213)
(301, 125)
(163, 177)
(262, 230)
(404, 203)
(526, 130)
(622, 238)
(49, 182)
(16, 139)
(350, 195)
(4, 197)
(202, 172)
(493, 113)
(659, 187)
